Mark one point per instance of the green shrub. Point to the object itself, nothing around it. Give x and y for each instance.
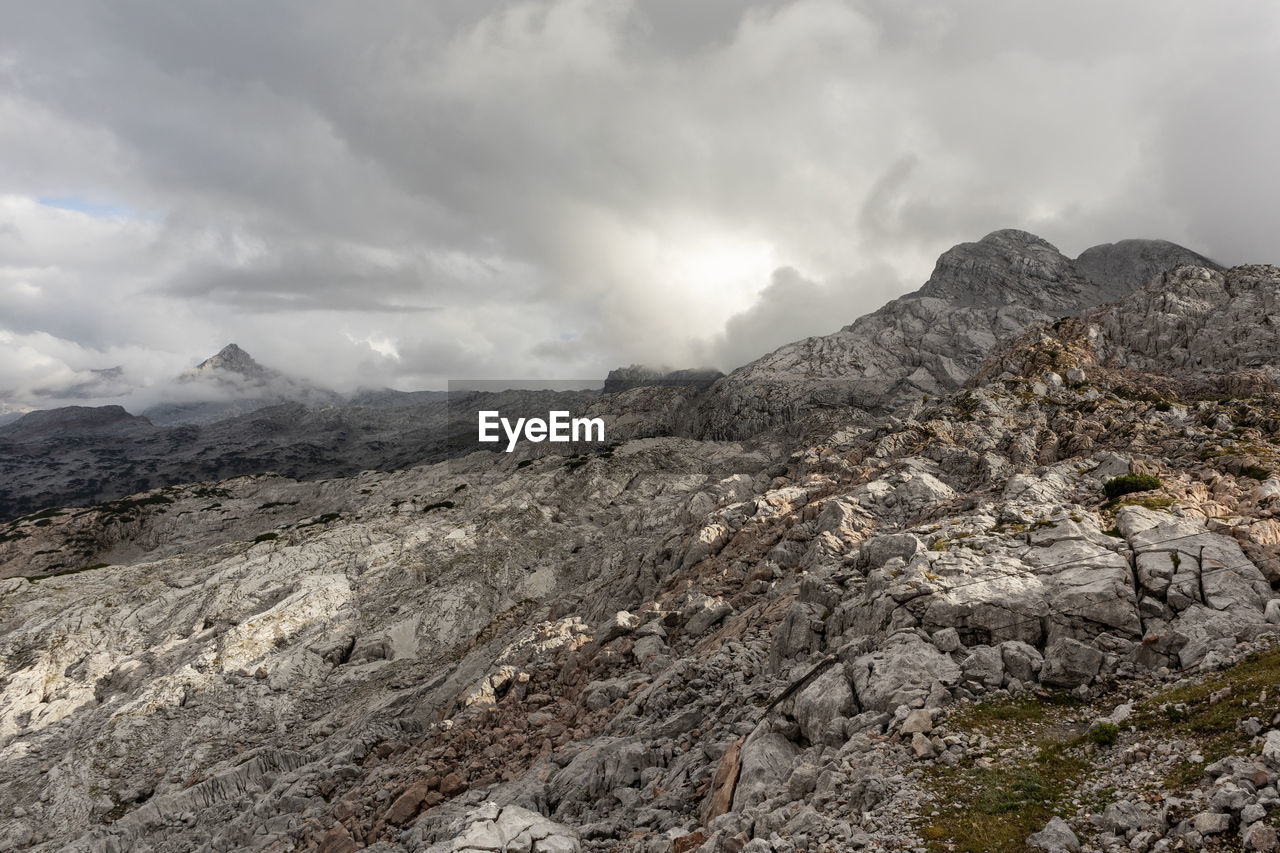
(265, 537)
(1104, 733)
(1128, 483)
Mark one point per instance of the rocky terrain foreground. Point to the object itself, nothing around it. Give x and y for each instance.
(1038, 612)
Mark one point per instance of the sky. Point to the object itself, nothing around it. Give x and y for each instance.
(400, 193)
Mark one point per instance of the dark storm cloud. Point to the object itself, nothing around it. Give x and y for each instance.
(402, 191)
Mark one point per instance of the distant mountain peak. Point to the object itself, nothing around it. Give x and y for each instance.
(231, 359)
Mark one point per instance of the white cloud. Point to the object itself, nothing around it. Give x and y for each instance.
(556, 187)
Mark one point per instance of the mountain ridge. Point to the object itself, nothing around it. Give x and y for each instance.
(930, 341)
(926, 343)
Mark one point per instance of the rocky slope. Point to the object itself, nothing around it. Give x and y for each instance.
(766, 645)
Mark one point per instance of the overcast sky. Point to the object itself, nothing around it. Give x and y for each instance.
(400, 192)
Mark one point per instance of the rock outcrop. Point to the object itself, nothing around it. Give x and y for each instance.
(931, 341)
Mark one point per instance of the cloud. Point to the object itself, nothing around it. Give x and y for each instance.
(555, 187)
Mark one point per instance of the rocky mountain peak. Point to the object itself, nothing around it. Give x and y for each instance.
(231, 359)
(1118, 268)
(980, 296)
(1008, 267)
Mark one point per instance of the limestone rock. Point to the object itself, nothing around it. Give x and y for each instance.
(1056, 837)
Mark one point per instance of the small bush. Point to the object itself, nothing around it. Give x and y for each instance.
(1104, 733)
(1129, 483)
(265, 537)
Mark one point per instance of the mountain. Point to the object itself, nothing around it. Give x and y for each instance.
(931, 341)
(231, 383)
(637, 376)
(73, 421)
(79, 456)
(243, 418)
(1039, 611)
(1117, 268)
(230, 364)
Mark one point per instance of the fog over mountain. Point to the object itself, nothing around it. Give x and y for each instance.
(392, 196)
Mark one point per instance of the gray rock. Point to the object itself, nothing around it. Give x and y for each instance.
(904, 670)
(1125, 817)
(514, 830)
(1056, 837)
(1259, 836)
(766, 768)
(1271, 749)
(917, 720)
(922, 747)
(1070, 663)
(705, 612)
(826, 700)
(1022, 661)
(1211, 823)
(946, 640)
(983, 669)
(616, 626)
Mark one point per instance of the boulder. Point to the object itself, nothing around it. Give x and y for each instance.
(1056, 837)
(906, 670)
(825, 701)
(766, 762)
(512, 829)
(1070, 663)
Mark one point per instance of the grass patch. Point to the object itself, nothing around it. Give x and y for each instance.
(1188, 711)
(994, 810)
(1153, 502)
(1022, 710)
